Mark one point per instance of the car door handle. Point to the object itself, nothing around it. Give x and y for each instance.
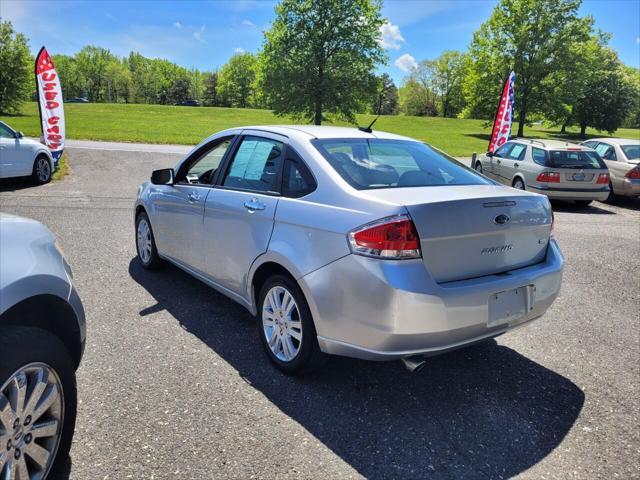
(254, 204)
(516, 165)
(193, 197)
(498, 161)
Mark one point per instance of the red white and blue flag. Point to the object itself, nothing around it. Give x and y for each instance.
(504, 115)
(50, 103)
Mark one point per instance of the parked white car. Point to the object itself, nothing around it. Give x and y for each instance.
(22, 157)
(622, 157)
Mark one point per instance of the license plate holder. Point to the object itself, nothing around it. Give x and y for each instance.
(510, 305)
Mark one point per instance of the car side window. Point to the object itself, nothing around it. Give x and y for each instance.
(606, 151)
(590, 144)
(297, 179)
(539, 156)
(202, 170)
(517, 152)
(5, 132)
(256, 165)
(504, 150)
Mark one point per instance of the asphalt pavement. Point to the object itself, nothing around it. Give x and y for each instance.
(174, 384)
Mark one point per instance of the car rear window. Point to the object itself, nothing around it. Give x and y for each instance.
(575, 159)
(380, 163)
(632, 152)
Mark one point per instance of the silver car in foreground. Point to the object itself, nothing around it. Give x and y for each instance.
(42, 337)
(344, 242)
(622, 157)
(559, 170)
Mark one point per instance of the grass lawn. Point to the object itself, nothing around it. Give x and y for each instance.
(189, 125)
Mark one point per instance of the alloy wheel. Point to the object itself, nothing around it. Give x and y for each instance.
(31, 419)
(43, 170)
(144, 240)
(282, 324)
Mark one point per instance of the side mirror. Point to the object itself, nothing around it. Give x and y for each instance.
(19, 134)
(162, 177)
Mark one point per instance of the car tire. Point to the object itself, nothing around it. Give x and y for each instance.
(31, 355)
(42, 170)
(146, 243)
(478, 167)
(582, 203)
(276, 329)
(518, 184)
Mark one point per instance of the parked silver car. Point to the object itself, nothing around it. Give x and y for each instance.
(559, 170)
(42, 337)
(368, 245)
(622, 157)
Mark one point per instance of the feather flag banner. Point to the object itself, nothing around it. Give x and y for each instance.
(504, 115)
(50, 104)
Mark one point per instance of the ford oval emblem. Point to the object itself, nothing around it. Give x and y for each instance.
(501, 219)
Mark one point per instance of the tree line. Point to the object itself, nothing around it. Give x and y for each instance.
(318, 62)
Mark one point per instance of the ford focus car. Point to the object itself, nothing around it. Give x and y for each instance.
(344, 242)
(559, 170)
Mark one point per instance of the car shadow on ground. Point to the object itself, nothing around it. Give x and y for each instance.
(593, 209)
(14, 184)
(485, 411)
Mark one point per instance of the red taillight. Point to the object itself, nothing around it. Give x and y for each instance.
(633, 174)
(391, 237)
(603, 179)
(549, 177)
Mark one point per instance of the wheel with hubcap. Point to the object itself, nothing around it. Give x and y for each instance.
(41, 170)
(145, 243)
(478, 167)
(286, 328)
(518, 184)
(37, 405)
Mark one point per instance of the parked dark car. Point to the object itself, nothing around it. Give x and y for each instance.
(77, 100)
(189, 103)
(42, 337)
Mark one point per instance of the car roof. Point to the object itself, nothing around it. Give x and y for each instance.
(547, 144)
(616, 141)
(323, 131)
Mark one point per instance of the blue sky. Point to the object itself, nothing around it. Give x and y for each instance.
(204, 34)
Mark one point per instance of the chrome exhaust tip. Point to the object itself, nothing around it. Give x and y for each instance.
(415, 363)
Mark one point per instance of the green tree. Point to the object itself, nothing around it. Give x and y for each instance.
(72, 81)
(179, 91)
(210, 96)
(117, 82)
(92, 64)
(417, 99)
(446, 76)
(386, 99)
(607, 95)
(16, 69)
(531, 37)
(633, 79)
(319, 57)
(236, 81)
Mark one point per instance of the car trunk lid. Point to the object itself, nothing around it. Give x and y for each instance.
(472, 231)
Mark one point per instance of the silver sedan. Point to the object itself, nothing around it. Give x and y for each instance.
(344, 242)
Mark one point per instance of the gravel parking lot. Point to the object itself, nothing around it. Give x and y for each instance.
(174, 383)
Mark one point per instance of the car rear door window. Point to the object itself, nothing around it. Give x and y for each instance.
(606, 151)
(256, 165)
(539, 156)
(297, 180)
(517, 152)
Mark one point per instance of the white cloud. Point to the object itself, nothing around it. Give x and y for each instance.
(239, 51)
(177, 25)
(198, 35)
(390, 36)
(248, 23)
(406, 63)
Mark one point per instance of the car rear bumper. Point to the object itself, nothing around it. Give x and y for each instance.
(571, 193)
(386, 310)
(628, 188)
